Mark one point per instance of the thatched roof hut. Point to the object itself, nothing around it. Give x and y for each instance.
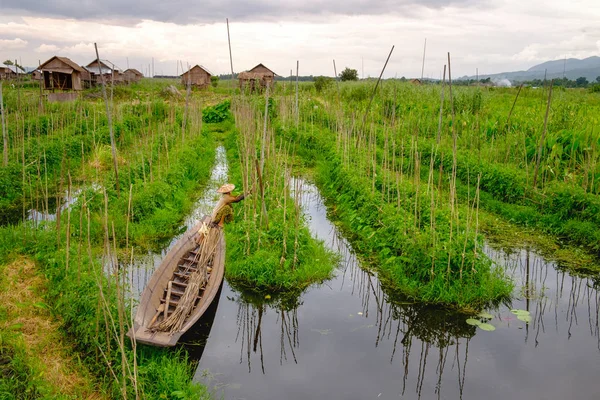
(132, 75)
(7, 72)
(109, 70)
(415, 81)
(61, 73)
(197, 76)
(258, 77)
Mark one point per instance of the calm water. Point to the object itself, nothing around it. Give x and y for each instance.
(347, 339)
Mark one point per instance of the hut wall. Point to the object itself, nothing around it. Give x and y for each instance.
(6, 74)
(130, 76)
(198, 77)
(76, 80)
(62, 97)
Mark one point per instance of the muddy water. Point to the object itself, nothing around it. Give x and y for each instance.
(347, 339)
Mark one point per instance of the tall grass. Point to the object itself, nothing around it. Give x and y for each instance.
(85, 234)
(269, 245)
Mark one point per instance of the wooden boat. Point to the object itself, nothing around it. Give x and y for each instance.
(176, 268)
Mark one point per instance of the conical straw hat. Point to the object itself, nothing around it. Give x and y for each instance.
(226, 188)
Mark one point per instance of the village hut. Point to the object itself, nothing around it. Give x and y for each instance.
(8, 72)
(256, 78)
(60, 73)
(36, 75)
(111, 73)
(132, 75)
(415, 81)
(197, 76)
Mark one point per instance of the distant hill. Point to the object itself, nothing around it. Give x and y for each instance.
(572, 68)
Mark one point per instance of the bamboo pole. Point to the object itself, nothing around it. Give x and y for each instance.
(4, 134)
(375, 88)
(297, 110)
(69, 199)
(262, 195)
(439, 134)
(18, 87)
(423, 65)
(230, 56)
(539, 155)
(187, 100)
(41, 106)
(513, 105)
(110, 127)
(337, 81)
(264, 135)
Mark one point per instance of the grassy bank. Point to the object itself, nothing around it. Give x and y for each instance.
(432, 164)
(416, 246)
(89, 231)
(269, 246)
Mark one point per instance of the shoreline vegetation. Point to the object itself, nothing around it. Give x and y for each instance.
(84, 233)
(269, 246)
(416, 180)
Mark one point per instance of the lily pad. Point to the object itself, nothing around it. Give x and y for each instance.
(485, 315)
(474, 322)
(519, 312)
(524, 318)
(487, 327)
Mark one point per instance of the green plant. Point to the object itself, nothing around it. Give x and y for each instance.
(349, 74)
(218, 113)
(322, 83)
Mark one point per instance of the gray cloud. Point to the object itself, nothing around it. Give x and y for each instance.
(192, 11)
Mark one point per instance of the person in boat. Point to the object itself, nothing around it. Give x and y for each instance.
(223, 212)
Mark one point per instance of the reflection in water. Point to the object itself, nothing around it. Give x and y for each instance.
(556, 299)
(360, 340)
(397, 319)
(194, 340)
(250, 312)
(51, 207)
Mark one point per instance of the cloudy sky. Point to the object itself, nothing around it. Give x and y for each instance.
(493, 36)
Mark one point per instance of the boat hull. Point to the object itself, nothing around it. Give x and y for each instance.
(170, 270)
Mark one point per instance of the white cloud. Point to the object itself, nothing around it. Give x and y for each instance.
(513, 35)
(12, 44)
(580, 46)
(47, 48)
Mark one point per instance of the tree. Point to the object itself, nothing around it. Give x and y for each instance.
(598, 79)
(349, 74)
(214, 81)
(321, 83)
(9, 63)
(581, 81)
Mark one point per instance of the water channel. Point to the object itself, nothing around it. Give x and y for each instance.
(349, 339)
